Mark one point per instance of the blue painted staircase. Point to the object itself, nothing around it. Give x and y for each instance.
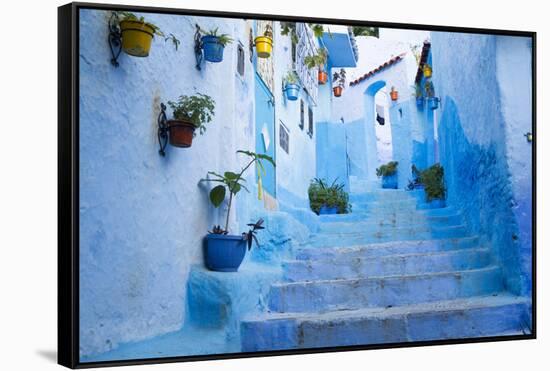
(390, 271)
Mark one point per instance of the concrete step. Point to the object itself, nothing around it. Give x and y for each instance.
(404, 217)
(329, 295)
(404, 204)
(405, 264)
(381, 195)
(347, 253)
(501, 314)
(381, 223)
(328, 239)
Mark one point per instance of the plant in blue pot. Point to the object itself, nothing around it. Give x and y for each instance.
(214, 44)
(433, 181)
(291, 86)
(418, 94)
(327, 199)
(388, 172)
(225, 252)
(433, 102)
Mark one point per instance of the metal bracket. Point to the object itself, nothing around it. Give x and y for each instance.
(198, 47)
(162, 132)
(115, 38)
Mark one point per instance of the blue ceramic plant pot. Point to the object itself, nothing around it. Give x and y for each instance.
(420, 101)
(437, 203)
(328, 210)
(433, 103)
(292, 91)
(213, 50)
(390, 181)
(224, 253)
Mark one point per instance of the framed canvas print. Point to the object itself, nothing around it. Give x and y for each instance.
(237, 185)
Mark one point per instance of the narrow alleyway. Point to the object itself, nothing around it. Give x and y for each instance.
(388, 272)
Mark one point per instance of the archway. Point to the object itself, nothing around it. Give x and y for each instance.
(370, 128)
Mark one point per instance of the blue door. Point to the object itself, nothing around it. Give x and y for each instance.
(265, 132)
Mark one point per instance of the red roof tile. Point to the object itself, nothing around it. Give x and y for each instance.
(385, 65)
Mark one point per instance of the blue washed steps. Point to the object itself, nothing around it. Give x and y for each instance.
(344, 294)
(405, 264)
(463, 318)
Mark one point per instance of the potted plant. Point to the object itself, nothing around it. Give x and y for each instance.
(318, 60)
(388, 172)
(190, 113)
(264, 43)
(338, 81)
(225, 252)
(433, 102)
(394, 95)
(419, 96)
(427, 70)
(434, 185)
(325, 199)
(137, 34)
(291, 88)
(214, 44)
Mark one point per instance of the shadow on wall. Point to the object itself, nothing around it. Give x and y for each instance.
(478, 184)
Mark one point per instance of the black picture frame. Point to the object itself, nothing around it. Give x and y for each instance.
(68, 183)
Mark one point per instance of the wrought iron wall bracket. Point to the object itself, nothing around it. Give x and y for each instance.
(162, 131)
(198, 47)
(115, 38)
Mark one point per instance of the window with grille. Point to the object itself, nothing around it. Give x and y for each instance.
(284, 137)
(302, 114)
(310, 122)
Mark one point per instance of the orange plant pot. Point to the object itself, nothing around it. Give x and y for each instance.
(337, 91)
(394, 95)
(181, 133)
(323, 77)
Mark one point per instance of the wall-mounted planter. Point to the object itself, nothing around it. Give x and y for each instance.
(433, 103)
(328, 210)
(212, 48)
(389, 181)
(419, 101)
(136, 38)
(322, 77)
(264, 46)
(337, 91)
(224, 253)
(394, 95)
(292, 91)
(181, 133)
(427, 70)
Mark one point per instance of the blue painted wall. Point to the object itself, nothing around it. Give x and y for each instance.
(487, 165)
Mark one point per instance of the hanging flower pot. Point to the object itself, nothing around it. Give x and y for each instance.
(427, 70)
(433, 103)
(136, 38)
(323, 77)
(394, 94)
(264, 46)
(213, 48)
(337, 91)
(181, 133)
(292, 91)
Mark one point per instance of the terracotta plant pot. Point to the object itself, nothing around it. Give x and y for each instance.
(337, 91)
(323, 77)
(394, 95)
(136, 38)
(181, 133)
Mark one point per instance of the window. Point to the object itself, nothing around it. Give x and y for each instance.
(284, 137)
(310, 122)
(240, 59)
(302, 114)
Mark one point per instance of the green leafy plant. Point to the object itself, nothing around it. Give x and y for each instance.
(129, 16)
(317, 60)
(289, 29)
(197, 109)
(223, 39)
(339, 78)
(233, 182)
(429, 89)
(317, 29)
(416, 51)
(433, 180)
(251, 234)
(366, 31)
(334, 195)
(388, 169)
(417, 90)
(291, 78)
(268, 31)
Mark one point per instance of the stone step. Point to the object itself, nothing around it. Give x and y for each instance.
(387, 248)
(481, 316)
(381, 223)
(403, 217)
(329, 295)
(328, 239)
(390, 205)
(406, 264)
(383, 195)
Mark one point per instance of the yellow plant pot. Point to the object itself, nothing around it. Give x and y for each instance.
(427, 71)
(136, 38)
(264, 46)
